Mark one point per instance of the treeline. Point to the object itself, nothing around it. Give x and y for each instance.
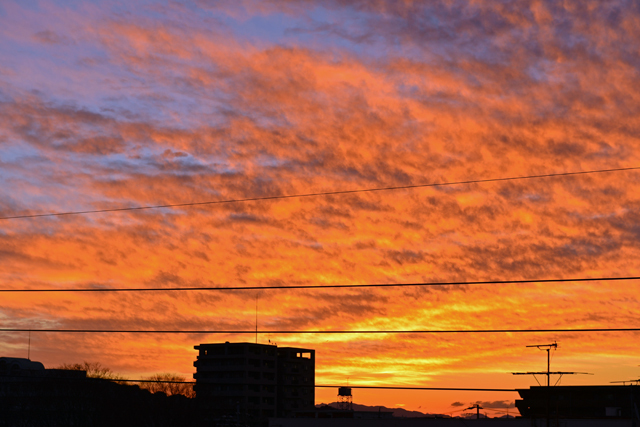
(168, 383)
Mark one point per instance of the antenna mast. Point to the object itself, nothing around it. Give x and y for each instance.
(548, 373)
(628, 381)
(547, 347)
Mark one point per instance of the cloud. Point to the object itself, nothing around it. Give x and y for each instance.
(173, 154)
(496, 404)
(49, 37)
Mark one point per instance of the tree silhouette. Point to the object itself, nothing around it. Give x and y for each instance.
(93, 369)
(169, 384)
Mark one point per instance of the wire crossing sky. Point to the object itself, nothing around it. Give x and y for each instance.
(388, 387)
(262, 155)
(326, 193)
(288, 332)
(359, 285)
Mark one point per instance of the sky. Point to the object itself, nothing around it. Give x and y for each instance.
(115, 104)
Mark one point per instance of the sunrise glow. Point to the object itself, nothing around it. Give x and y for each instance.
(108, 104)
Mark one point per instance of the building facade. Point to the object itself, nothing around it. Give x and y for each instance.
(252, 382)
(296, 381)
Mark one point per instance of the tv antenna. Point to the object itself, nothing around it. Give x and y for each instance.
(630, 382)
(627, 381)
(548, 373)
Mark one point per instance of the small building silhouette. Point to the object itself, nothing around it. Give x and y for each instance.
(31, 395)
(584, 401)
(28, 390)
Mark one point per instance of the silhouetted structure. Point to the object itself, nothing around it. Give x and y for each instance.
(477, 407)
(440, 422)
(345, 399)
(28, 390)
(604, 401)
(296, 380)
(252, 382)
(31, 395)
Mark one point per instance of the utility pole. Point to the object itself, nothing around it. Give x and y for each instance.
(477, 407)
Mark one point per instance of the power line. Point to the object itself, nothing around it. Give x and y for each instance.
(417, 388)
(324, 193)
(390, 387)
(366, 285)
(332, 386)
(288, 332)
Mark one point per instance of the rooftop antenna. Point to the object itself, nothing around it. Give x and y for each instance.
(547, 348)
(29, 347)
(627, 381)
(548, 373)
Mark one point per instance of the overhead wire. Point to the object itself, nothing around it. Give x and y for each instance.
(362, 285)
(317, 194)
(205, 383)
(328, 193)
(319, 332)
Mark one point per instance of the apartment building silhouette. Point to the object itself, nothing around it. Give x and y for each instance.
(253, 382)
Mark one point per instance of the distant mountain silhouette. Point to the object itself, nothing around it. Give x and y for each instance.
(397, 412)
